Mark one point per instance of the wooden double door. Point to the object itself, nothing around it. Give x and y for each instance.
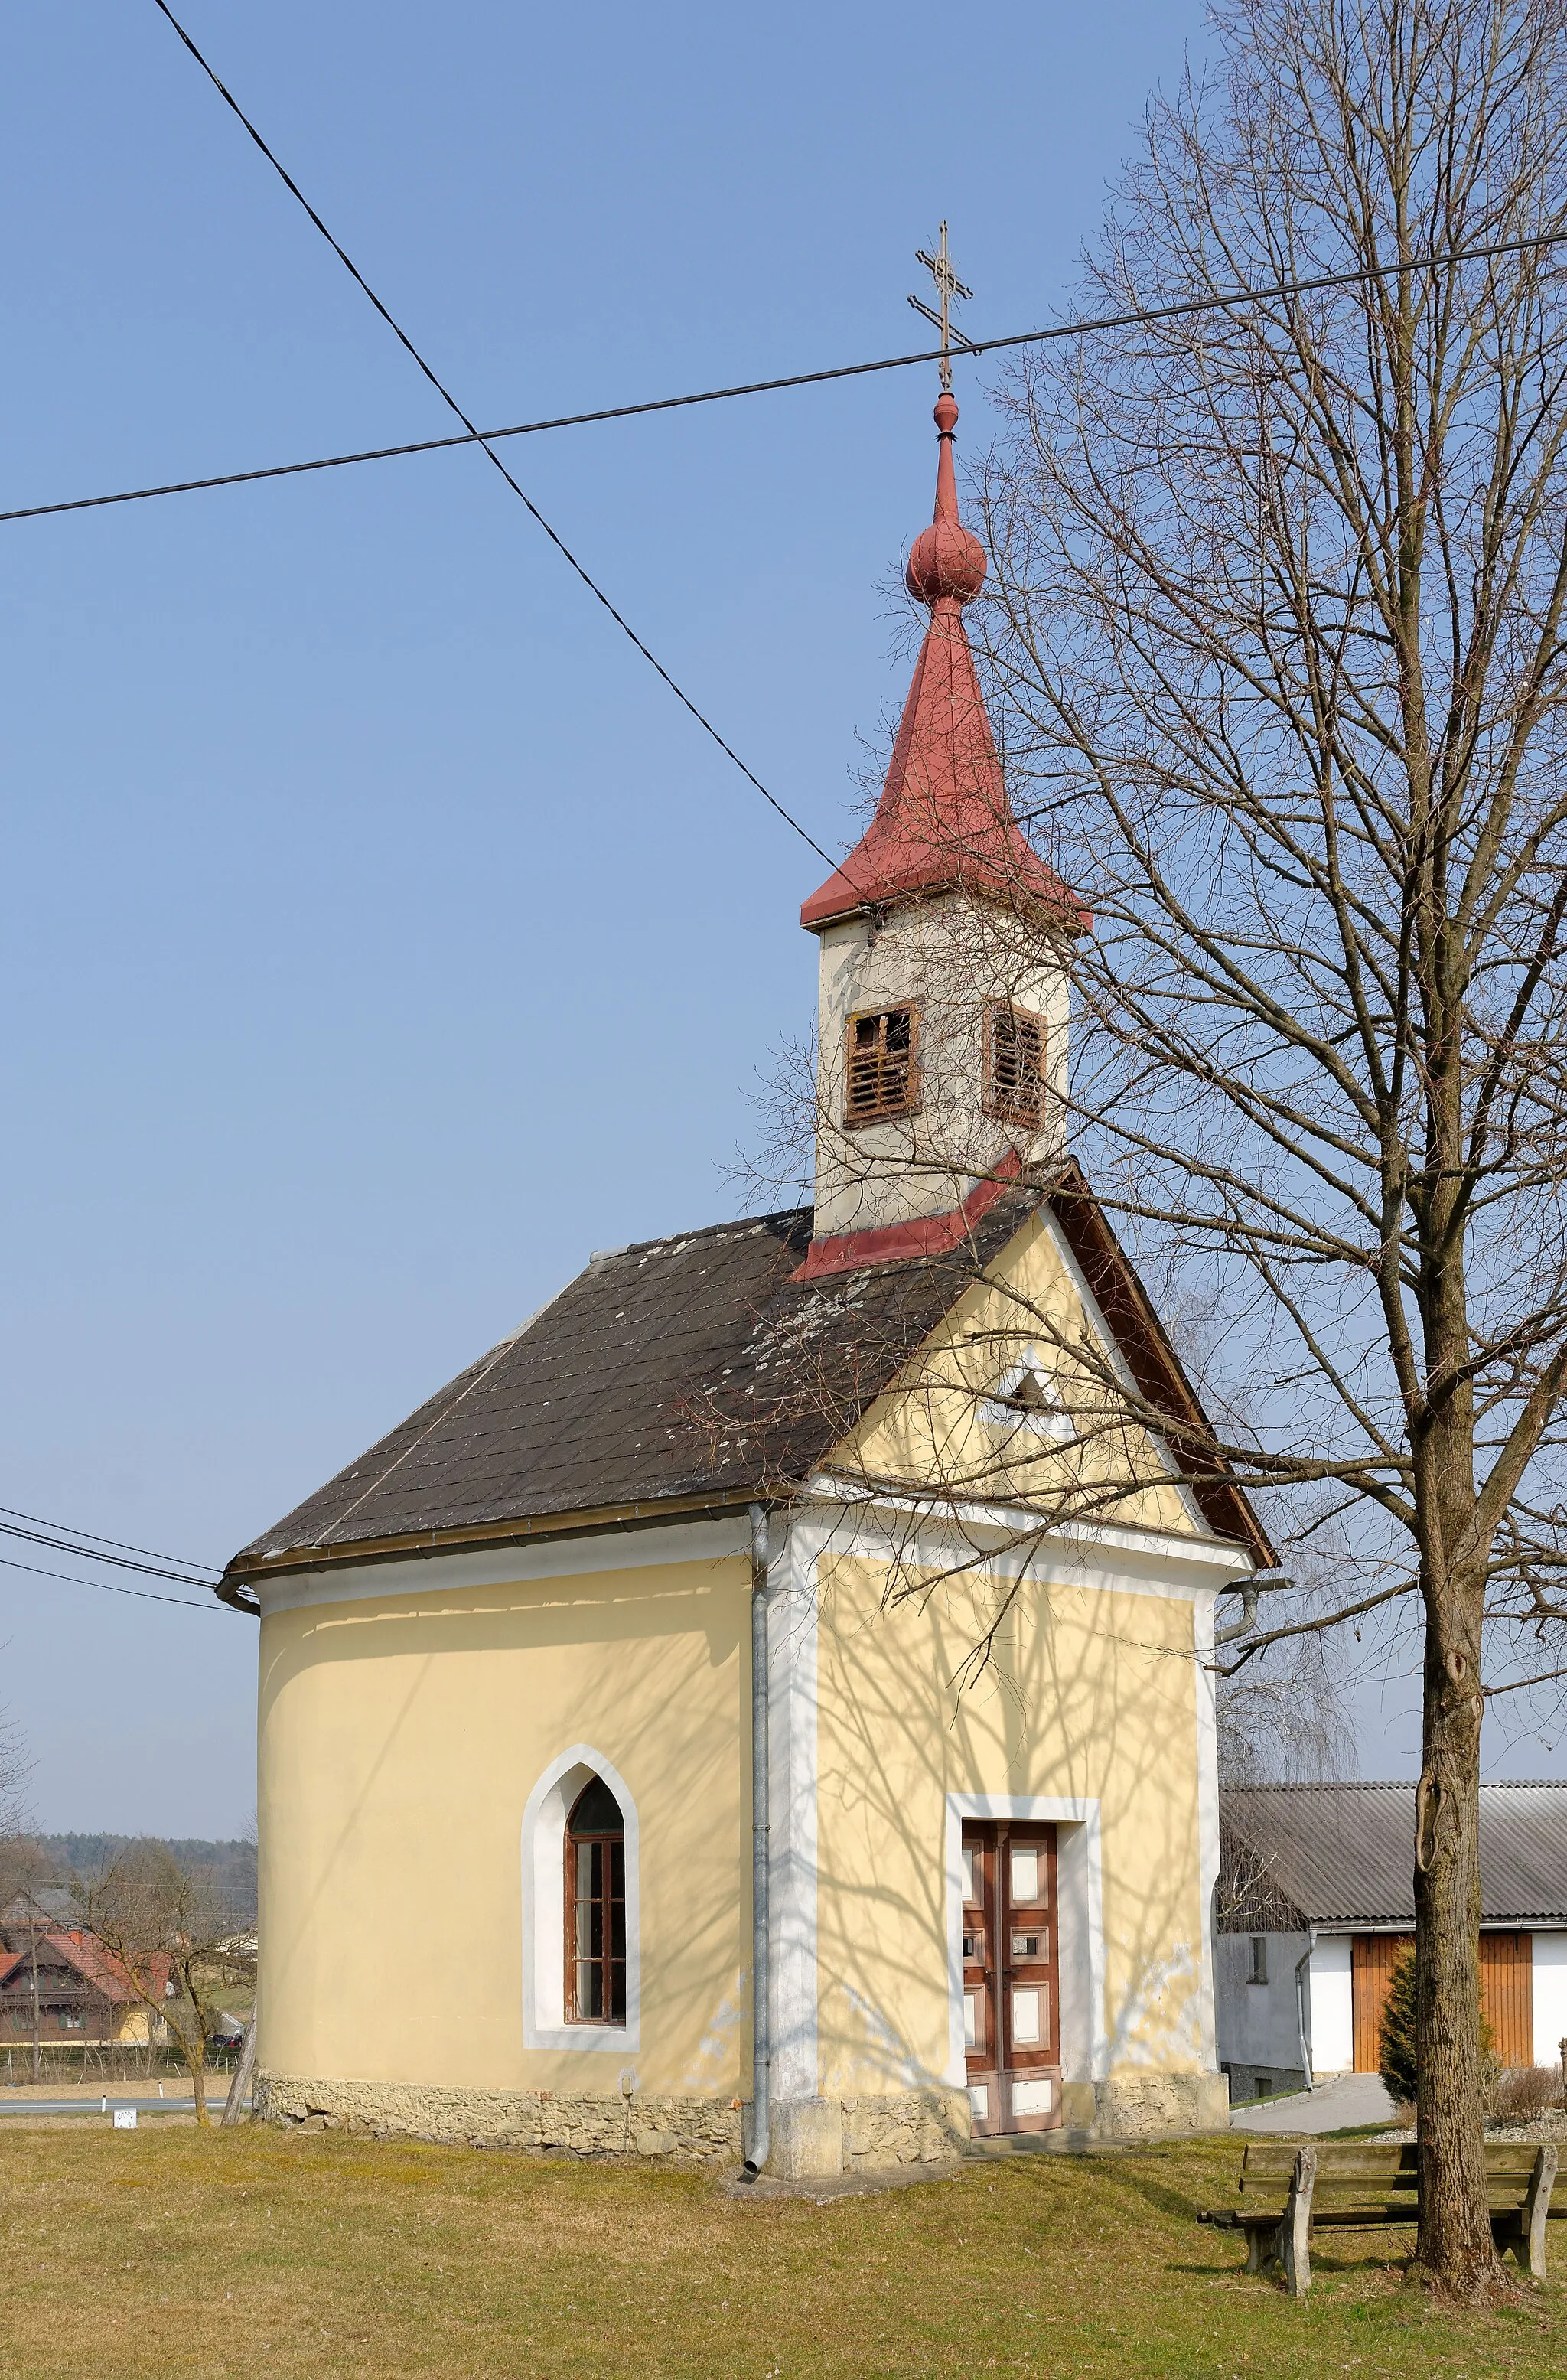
(1011, 1976)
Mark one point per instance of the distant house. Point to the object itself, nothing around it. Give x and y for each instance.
(1317, 1898)
(40, 1904)
(84, 1996)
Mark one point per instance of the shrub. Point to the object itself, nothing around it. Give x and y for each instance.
(1526, 2091)
(1395, 2043)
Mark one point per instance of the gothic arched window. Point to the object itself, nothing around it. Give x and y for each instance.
(595, 1908)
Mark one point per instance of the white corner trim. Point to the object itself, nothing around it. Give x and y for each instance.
(1205, 1689)
(792, 1809)
(510, 1565)
(543, 1908)
(882, 1525)
(1084, 2038)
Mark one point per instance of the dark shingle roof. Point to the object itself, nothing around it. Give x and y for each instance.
(697, 1367)
(674, 1368)
(1345, 1854)
(43, 1902)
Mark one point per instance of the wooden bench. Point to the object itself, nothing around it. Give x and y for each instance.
(1287, 2191)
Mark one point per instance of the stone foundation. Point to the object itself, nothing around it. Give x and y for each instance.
(1133, 2106)
(675, 2131)
(907, 2127)
(810, 2139)
(813, 2140)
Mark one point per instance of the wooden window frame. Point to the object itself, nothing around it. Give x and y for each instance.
(1011, 1108)
(888, 1109)
(606, 1842)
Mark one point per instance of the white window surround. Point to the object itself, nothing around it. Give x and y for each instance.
(1079, 1918)
(1050, 1421)
(543, 1908)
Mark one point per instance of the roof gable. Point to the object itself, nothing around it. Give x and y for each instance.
(698, 1369)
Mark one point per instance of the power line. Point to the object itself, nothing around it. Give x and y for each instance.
(62, 1545)
(106, 1587)
(91, 1537)
(1078, 329)
(477, 436)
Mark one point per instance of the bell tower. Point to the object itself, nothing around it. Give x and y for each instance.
(943, 1010)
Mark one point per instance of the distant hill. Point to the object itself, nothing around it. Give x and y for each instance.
(232, 1864)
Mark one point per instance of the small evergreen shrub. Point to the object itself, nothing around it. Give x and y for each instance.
(1395, 2043)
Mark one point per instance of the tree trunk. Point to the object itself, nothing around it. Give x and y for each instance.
(37, 2055)
(194, 2053)
(1455, 2245)
(234, 2105)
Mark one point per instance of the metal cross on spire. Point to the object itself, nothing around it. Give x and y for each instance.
(948, 286)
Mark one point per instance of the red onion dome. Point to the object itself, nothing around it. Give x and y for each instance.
(946, 559)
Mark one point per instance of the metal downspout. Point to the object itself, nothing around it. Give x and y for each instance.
(1301, 1964)
(761, 1941)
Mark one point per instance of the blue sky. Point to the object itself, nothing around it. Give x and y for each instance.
(380, 936)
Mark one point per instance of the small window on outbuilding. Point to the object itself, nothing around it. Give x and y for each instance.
(595, 1908)
(1258, 1960)
(1014, 1064)
(881, 1069)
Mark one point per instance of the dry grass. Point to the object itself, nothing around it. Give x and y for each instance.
(252, 2254)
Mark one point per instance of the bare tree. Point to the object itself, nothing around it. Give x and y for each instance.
(178, 1940)
(15, 1767)
(21, 1862)
(1278, 622)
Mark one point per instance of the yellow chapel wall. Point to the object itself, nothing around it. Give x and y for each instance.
(1092, 1696)
(1093, 1691)
(933, 1426)
(400, 1736)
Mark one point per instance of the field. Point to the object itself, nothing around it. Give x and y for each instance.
(169, 2252)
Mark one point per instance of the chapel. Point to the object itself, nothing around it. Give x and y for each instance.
(780, 1667)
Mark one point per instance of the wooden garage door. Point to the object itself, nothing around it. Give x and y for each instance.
(1506, 1991)
(1371, 1958)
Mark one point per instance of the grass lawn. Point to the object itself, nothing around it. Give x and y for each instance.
(254, 2253)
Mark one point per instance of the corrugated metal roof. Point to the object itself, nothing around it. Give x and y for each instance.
(1345, 1854)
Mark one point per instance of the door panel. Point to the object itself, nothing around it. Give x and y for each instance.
(1371, 1958)
(1507, 1994)
(1011, 1958)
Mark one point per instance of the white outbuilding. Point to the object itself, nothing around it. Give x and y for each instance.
(1315, 1900)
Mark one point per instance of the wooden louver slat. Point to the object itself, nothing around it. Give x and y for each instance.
(1014, 1064)
(881, 1069)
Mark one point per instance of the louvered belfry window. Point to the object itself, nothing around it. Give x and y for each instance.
(883, 1064)
(1014, 1064)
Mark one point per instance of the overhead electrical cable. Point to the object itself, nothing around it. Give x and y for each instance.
(107, 1586)
(61, 1545)
(90, 1537)
(1080, 328)
(475, 436)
